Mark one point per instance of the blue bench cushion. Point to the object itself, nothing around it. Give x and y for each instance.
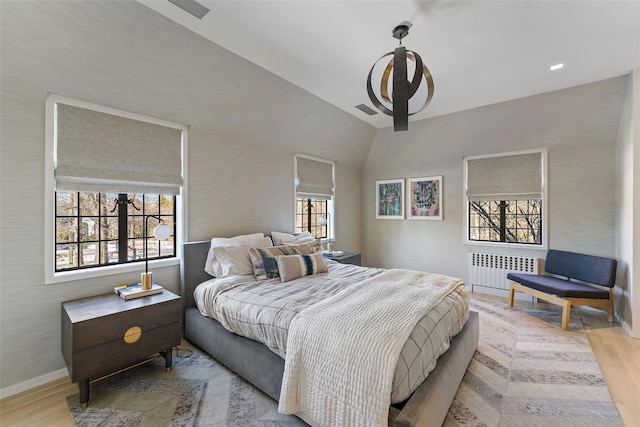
(587, 268)
(559, 287)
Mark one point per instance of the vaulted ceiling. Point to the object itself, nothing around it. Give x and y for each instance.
(479, 52)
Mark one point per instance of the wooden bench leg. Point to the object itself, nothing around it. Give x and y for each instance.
(610, 313)
(610, 307)
(511, 295)
(566, 314)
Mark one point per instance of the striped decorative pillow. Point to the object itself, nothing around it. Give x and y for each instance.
(295, 266)
(264, 261)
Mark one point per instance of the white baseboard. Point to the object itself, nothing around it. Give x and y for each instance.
(625, 326)
(501, 293)
(33, 382)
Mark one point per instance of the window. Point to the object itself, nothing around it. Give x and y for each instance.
(110, 174)
(97, 229)
(505, 198)
(311, 215)
(508, 221)
(314, 195)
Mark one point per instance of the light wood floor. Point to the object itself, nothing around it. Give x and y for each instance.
(617, 353)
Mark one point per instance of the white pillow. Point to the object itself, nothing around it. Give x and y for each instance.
(210, 265)
(232, 260)
(291, 239)
(237, 240)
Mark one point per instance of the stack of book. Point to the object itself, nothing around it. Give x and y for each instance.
(331, 254)
(135, 291)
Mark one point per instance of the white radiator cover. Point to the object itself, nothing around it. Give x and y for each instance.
(490, 270)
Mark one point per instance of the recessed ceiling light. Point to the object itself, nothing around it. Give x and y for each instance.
(556, 67)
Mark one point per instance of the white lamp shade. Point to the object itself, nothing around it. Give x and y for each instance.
(162, 232)
(322, 221)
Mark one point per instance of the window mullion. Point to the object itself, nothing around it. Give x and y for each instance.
(99, 231)
(78, 241)
(123, 248)
(503, 221)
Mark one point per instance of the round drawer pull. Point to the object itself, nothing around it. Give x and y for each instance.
(132, 334)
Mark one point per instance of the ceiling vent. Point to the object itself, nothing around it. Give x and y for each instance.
(192, 7)
(366, 110)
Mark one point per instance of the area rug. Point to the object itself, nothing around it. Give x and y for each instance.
(198, 391)
(526, 371)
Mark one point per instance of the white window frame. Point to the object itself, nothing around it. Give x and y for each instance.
(50, 275)
(545, 216)
(331, 202)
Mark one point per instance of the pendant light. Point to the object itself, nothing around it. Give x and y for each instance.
(402, 89)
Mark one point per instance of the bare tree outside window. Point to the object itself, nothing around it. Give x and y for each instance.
(97, 229)
(507, 221)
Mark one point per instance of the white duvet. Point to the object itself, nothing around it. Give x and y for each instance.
(264, 310)
(342, 352)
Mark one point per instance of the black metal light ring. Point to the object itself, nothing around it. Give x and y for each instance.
(416, 81)
(372, 95)
(428, 78)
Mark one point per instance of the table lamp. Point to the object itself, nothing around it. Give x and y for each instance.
(324, 221)
(161, 232)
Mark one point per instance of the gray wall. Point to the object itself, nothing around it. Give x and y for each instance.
(628, 208)
(245, 127)
(578, 127)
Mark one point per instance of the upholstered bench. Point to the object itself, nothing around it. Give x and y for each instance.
(587, 280)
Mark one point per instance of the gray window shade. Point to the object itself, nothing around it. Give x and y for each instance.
(511, 177)
(101, 152)
(314, 178)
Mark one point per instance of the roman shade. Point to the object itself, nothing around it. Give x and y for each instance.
(314, 178)
(100, 152)
(505, 177)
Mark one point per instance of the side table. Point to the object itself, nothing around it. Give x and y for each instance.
(105, 334)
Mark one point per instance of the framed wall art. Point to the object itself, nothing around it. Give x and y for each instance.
(390, 199)
(424, 198)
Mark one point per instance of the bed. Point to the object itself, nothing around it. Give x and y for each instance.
(427, 405)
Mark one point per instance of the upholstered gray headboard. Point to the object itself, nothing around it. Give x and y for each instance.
(194, 255)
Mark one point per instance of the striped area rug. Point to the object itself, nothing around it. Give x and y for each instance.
(198, 391)
(526, 372)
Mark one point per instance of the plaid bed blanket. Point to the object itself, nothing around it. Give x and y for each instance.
(263, 311)
(340, 360)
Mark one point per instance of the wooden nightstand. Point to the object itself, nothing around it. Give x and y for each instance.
(349, 258)
(105, 334)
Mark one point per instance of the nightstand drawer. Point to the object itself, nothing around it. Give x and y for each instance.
(112, 327)
(114, 355)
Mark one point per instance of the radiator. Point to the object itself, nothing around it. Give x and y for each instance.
(490, 270)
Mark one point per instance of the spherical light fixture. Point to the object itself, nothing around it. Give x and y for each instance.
(161, 232)
(402, 89)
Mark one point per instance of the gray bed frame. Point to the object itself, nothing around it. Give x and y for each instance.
(427, 406)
